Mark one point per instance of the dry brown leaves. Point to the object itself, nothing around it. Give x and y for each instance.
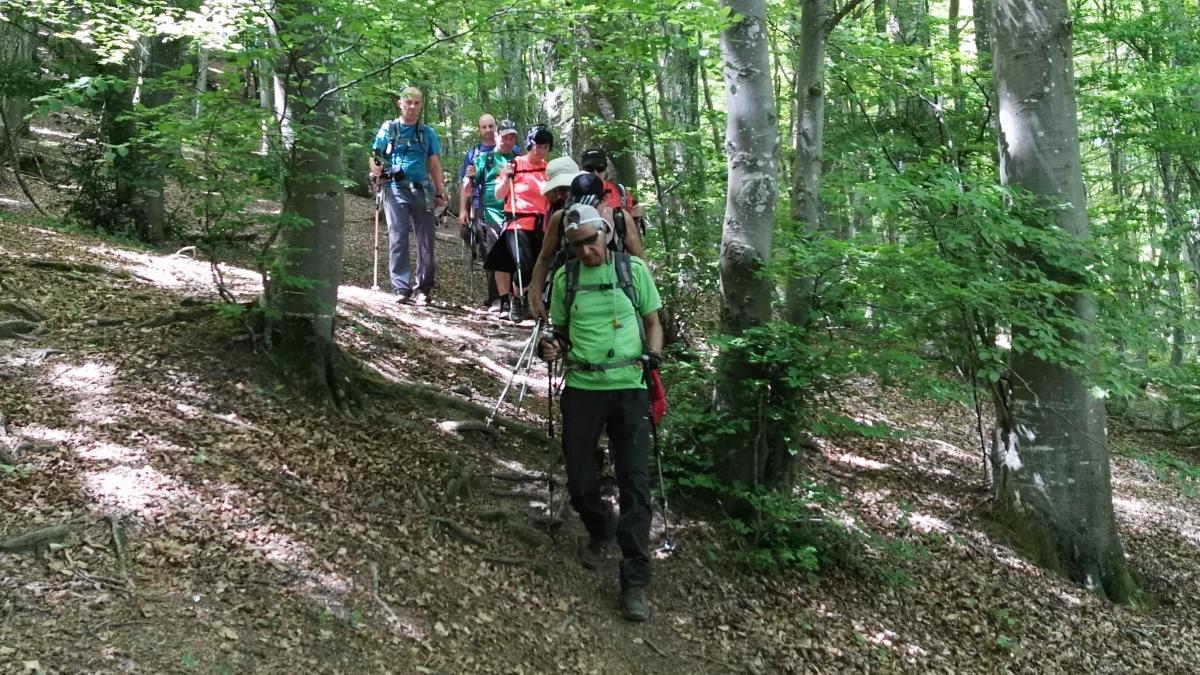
(264, 534)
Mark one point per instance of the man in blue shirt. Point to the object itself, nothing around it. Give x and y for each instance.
(405, 160)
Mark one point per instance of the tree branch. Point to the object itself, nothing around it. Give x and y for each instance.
(412, 55)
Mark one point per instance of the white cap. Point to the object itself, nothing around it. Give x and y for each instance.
(579, 215)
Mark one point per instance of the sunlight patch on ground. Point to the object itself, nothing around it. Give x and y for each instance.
(1147, 514)
(46, 131)
(13, 202)
(47, 434)
(133, 489)
(180, 270)
(857, 461)
(91, 377)
(102, 451)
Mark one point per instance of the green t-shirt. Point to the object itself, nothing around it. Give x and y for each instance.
(594, 320)
(493, 208)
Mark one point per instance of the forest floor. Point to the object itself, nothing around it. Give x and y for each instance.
(220, 525)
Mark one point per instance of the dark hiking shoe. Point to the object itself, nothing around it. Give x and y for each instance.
(592, 552)
(403, 297)
(505, 306)
(421, 299)
(494, 305)
(517, 311)
(635, 604)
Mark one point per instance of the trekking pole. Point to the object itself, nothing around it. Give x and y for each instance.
(668, 545)
(516, 241)
(375, 246)
(526, 352)
(537, 329)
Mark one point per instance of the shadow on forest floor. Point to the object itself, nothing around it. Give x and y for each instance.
(262, 534)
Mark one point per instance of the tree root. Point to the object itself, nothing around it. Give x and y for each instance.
(80, 267)
(459, 531)
(37, 540)
(507, 562)
(457, 427)
(18, 308)
(373, 384)
(18, 328)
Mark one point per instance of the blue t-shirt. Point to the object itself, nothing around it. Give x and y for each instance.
(409, 150)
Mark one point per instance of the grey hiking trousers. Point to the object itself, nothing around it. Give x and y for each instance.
(405, 203)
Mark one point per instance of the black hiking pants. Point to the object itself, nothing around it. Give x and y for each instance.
(624, 413)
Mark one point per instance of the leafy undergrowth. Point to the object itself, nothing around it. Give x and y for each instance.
(260, 534)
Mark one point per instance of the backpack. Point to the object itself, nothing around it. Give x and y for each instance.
(624, 269)
(394, 135)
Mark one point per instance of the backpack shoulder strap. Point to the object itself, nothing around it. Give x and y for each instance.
(619, 230)
(623, 194)
(623, 262)
(571, 278)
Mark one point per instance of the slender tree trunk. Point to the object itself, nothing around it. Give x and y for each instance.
(955, 40)
(809, 140)
(1050, 454)
(303, 294)
(758, 456)
(147, 158)
(16, 61)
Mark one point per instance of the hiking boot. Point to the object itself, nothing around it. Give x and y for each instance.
(592, 552)
(421, 299)
(403, 297)
(505, 306)
(493, 306)
(635, 605)
(518, 312)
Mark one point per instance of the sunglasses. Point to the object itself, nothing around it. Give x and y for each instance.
(586, 241)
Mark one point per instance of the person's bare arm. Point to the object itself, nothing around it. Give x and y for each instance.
(504, 180)
(537, 287)
(433, 164)
(464, 196)
(654, 332)
(633, 239)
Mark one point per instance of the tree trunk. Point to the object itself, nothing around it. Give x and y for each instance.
(758, 456)
(16, 62)
(809, 139)
(147, 158)
(303, 292)
(1050, 455)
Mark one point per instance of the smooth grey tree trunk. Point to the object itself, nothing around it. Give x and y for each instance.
(808, 142)
(147, 158)
(1050, 453)
(757, 457)
(303, 294)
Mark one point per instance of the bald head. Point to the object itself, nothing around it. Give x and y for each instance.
(487, 129)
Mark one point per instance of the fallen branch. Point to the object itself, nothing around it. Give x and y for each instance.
(459, 531)
(519, 494)
(230, 419)
(1165, 431)
(378, 598)
(118, 534)
(657, 650)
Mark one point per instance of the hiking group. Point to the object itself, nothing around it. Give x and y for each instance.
(549, 229)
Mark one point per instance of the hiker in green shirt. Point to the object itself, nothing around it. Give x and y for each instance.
(604, 308)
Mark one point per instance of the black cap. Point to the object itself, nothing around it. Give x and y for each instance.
(539, 135)
(593, 159)
(586, 188)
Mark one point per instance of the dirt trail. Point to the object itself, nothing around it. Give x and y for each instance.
(260, 534)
